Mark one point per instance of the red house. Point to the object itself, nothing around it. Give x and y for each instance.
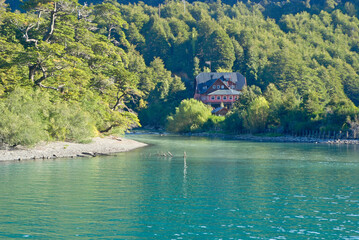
(217, 88)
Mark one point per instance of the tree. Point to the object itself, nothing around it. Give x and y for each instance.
(218, 49)
(158, 35)
(189, 117)
(257, 115)
(108, 16)
(275, 101)
(196, 68)
(53, 8)
(249, 93)
(350, 9)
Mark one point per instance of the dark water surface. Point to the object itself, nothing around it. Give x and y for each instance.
(224, 190)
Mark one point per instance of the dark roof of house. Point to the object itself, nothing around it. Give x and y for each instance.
(225, 92)
(201, 86)
(207, 79)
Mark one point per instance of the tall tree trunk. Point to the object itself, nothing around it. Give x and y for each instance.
(52, 24)
(109, 32)
(32, 70)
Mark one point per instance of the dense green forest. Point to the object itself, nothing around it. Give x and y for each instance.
(271, 8)
(70, 71)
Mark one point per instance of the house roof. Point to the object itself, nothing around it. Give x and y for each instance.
(207, 84)
(209, 78)
(219, 109)
(225, 92)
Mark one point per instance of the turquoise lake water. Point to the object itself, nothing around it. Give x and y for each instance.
(223, 190)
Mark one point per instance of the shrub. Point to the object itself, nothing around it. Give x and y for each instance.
(21, 121)
(189, 117)
(28, 117)
(214, 123)
(257, 115)
(67, 121)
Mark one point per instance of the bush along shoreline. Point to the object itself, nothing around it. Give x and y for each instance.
(254, 114)
(194, 118)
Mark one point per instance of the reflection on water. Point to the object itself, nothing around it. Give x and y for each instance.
(220, 190)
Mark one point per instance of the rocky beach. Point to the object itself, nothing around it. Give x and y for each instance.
(284, 138)
(98, 146)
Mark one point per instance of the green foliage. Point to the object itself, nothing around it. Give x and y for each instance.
(100, 64)
(190, 116)
(30, 116)
(354, 125)
(22, 120)
(218, 48)
(165, 93)
(68, 122)
(83, 81)
(214, 123)
(257, 114)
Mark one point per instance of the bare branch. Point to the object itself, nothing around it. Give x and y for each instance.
(49, 87)
(109, 32)
(26, 35)
(118, 99)
(109, 128)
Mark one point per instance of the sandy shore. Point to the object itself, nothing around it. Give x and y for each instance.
(98, 147)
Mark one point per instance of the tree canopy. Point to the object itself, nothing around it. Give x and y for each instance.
(119, 64)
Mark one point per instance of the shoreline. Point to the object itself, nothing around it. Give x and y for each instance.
(98, 147)
(283, 139)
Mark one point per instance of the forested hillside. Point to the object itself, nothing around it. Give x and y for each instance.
(69, 71)
(272, 8)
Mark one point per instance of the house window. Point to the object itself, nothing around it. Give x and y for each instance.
(212, 98)
(224, 97)
(218, 97)
(222, 86)
(218, 87)
(235, 97)
(204, 98)
(214, 87)
(230, 97)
